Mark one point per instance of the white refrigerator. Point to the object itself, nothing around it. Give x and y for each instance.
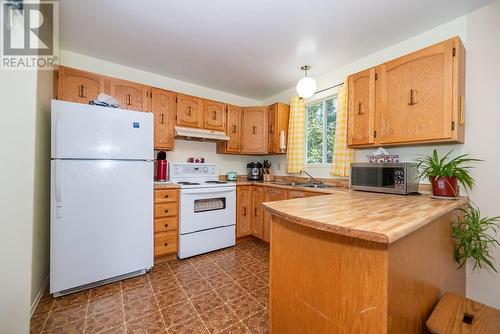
(101, 195)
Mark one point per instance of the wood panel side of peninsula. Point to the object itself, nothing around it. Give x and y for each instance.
(324, 282)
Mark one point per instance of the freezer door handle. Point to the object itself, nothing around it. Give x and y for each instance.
(58, 188)
(58, 135)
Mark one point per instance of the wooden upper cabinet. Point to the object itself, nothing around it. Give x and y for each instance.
(78, 86)
(361, 108)
(254, 131)
(214, 115)
(278, 115)
(164, 108)
(415, 95)
(131, 95)
(243, 211)
(233, 131)
(414, 99)
(189, 111)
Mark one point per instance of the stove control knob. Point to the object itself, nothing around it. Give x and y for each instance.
(205, 169)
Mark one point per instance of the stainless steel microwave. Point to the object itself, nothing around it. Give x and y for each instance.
(392, 178)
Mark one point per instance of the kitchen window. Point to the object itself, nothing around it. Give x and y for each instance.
(320, 118)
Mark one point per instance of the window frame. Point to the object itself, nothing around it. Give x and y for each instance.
(325, 126)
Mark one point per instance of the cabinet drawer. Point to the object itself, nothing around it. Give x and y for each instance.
(166, 210)
(166, 224)
(166, 195)
(165, 243)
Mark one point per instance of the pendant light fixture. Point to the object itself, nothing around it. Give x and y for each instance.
(306, 87)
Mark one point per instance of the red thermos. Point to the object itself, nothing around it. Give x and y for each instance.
(161, 167)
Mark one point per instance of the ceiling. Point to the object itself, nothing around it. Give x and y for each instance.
(249, 48)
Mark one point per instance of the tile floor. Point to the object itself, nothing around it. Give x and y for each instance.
(221, 292)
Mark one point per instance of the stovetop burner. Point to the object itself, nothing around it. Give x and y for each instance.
(184, 183)
(216, 182)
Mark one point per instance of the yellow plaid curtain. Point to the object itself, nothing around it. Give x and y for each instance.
(342, 155)
(296, 126)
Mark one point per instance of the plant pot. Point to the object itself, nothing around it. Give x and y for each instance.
(444, 186)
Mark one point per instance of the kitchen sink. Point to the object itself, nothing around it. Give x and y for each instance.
(316, 185)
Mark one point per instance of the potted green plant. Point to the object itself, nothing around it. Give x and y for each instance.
(445, 173)
(471, 234)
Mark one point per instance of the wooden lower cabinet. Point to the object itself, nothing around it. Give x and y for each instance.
(272, 194)
(243, 211)
(258, 194)
(166, 221)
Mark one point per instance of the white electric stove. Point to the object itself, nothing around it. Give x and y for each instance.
(207, 219)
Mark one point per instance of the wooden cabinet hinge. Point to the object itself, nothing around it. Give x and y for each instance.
(454, 52)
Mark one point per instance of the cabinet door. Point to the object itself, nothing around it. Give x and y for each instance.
(254, 132)
(272, 194)
(257, 212)
(234, 129)
(78, 86)
(189, 111)
(244, 211)
(130, 95)
(301, 194)
(214, 115)
(163, 107)
(415, 96)
(278, 114)
(361, 108)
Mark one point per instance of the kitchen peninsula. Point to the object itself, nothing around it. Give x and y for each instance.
(360, 262)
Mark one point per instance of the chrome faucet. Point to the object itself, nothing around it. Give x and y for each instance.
(311, 178)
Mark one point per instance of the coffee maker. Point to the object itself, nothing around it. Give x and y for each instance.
(254, 171)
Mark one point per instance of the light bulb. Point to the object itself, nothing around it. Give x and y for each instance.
(306, 87)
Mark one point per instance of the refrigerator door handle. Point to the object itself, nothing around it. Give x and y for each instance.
(58, 186)
(58, 134)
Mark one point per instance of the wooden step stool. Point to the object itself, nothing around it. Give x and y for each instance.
(456, 314)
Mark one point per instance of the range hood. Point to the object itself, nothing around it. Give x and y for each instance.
(200, 134)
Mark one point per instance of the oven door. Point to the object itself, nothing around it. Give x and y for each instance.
(207, 208)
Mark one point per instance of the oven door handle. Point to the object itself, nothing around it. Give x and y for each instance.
(207, 191)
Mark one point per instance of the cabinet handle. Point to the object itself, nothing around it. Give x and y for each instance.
(166, 211)
(214, 115)
(80, 91)
(359, 109)
(162, 119)
(412, 94)
(234, 128)
(189, 110)
(244, 211)
(165, 244)
(129, 100)
(166, 196)
(255, 212)
(166, 225)
(254, 130)
(271, 128)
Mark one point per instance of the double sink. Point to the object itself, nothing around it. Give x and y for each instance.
(307, 185)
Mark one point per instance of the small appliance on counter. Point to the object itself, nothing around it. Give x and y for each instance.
(393, 178)
(254, 171)
(161, 167)
(231, 176)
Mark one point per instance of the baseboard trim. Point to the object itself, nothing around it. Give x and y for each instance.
(39, 296)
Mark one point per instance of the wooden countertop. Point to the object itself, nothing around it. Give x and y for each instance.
(375, 217)
(166, 185)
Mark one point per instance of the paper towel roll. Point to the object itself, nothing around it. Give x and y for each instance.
(282, 141)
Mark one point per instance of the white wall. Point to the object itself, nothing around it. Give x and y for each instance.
(17, 144)
(479, 31)
(483, 134)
